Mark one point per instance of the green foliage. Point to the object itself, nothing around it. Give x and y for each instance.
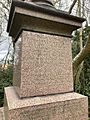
(6, 77)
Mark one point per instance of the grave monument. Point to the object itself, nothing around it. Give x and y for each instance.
(43, 78)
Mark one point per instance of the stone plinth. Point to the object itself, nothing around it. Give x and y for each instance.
(43, 64)
(43, 79)
(2, 117)
(68, 106)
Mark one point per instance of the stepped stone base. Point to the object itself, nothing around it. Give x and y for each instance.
(68, 106)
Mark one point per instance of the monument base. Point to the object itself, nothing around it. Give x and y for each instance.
(2, 117)
(68, 106)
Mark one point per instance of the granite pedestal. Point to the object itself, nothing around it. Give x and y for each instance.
(43, 78)
(43, 64)
(68, 106)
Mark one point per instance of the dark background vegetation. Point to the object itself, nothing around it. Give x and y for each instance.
(6, 76)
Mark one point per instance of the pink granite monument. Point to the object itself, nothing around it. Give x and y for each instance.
(43, 78)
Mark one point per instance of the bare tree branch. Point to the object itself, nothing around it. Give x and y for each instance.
(4, 6)
(82, 55)
(6, 57)
(71, 7)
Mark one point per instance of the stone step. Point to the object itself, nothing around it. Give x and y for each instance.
(2, 114)
(3, 118)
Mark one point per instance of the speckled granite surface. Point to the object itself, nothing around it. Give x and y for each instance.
(43, 64)
(68, 106)
(2, 114)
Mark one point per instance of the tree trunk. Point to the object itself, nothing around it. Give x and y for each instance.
(81, 56)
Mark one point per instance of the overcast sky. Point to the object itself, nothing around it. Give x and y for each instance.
(4, 45)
